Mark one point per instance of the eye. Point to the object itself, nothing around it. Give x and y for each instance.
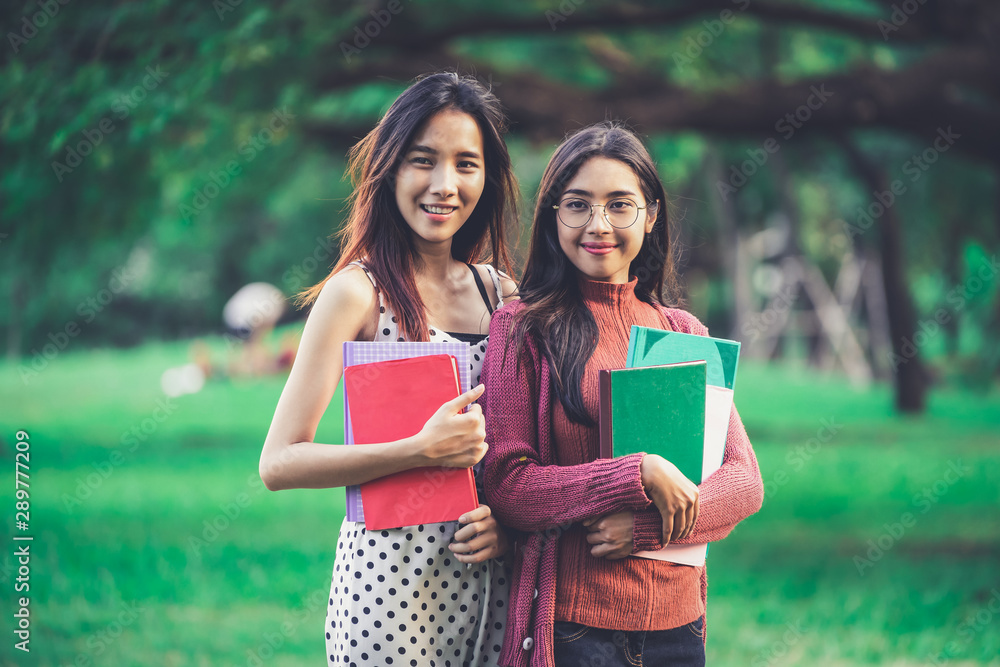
(621, 205)
(465, 164)
(575, 204)
(420, 159)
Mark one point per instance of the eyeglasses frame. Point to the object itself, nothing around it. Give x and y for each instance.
(605, 213)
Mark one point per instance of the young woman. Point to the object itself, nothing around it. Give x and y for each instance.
(434, 191)
(599, 262)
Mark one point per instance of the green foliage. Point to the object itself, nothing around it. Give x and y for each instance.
(185, 183)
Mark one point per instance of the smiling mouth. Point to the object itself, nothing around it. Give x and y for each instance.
(599, 246)
(438, 210)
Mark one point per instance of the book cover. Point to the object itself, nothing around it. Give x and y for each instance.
(647, 347)
(357, 352)
(657, 410)
(654, 347)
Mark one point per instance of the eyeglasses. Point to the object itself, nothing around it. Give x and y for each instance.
(575, 212)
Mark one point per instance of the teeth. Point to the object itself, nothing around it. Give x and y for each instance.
(438, 209)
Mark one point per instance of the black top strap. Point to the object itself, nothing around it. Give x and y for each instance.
(482, 287)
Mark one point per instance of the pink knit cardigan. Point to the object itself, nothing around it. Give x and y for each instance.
(530, 493)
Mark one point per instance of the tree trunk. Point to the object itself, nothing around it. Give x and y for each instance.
(912, 379)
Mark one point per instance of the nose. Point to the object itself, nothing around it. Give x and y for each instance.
(443, 181)
(598, 223)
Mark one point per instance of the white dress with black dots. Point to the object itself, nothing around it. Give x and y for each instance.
(399, 596)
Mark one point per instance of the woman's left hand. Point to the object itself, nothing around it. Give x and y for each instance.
(611, 535)
(480, 539)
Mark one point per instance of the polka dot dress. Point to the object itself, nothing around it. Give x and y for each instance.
(399, 596)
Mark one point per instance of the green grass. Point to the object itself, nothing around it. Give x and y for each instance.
(784, 587)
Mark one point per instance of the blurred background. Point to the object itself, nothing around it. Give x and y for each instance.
(172, 172)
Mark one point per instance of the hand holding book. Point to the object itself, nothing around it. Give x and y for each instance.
(673, 494)
(611, 535)
(452, 438)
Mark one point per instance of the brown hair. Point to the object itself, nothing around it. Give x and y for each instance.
(375, 230)
(554, 312)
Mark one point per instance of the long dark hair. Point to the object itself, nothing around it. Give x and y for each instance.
(376, 231)
(555, 314)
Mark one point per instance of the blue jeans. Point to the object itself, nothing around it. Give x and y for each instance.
(579, 645)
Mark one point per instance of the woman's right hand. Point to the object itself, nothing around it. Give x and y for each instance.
(454, 439)
(673, 494)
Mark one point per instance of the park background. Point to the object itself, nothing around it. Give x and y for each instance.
(833, 168)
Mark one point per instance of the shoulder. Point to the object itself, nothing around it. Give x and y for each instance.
(508, 288)
(508, 311)
(685, 321)
(502, 323)
(507, 285)
(348, 294)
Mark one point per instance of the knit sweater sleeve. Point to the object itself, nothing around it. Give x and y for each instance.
(524, 488)
(729, 495)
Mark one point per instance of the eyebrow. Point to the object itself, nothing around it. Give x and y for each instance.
(588, 193)
(420, 148)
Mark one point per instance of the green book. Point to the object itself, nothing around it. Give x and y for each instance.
(657, 410)
(649, 347)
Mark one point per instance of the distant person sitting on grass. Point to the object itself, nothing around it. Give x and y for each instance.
(250, 315)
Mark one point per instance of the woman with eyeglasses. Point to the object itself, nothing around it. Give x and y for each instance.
(600, 261)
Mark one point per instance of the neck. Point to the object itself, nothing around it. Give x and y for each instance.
(434, 262)
(600, 291)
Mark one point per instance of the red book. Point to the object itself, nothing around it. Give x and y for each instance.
(391, 400)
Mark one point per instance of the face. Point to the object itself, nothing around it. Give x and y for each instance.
(441, 177)
(598, 250)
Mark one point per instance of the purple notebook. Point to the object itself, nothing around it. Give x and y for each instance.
(356, 353)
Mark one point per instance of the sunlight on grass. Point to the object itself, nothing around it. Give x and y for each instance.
(175, 522)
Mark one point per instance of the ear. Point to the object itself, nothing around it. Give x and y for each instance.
(652, 210)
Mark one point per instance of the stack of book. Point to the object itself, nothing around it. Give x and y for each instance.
(390, 391)
(674, 398)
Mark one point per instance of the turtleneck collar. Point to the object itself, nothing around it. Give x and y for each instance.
(597, 291)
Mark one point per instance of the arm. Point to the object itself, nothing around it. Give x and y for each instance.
(729, 495)
(345, 310)
(524, 492)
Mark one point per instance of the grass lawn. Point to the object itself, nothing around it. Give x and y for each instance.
(878, 542)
